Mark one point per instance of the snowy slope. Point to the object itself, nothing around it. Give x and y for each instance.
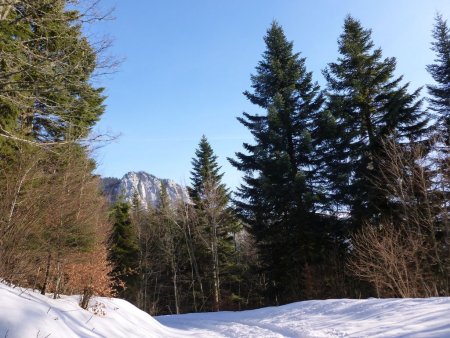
(24, 314)
(27, 314)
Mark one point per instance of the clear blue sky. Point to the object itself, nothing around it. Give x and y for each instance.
(188, 62)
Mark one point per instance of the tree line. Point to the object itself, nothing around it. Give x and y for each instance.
(344, 186)
(183, 256)
(333, 174)
(345, 189)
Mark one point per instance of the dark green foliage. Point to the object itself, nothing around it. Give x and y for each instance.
(124, 249)
(278, 197)
(46, 59)
(440, 71)
(123, 238)
(204, 168)
(216, 227)
(366, 105)
(109, 182)
(440, 105)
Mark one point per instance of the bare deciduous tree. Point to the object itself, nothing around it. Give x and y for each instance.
(406, 253)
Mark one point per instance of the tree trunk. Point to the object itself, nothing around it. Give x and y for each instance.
(215, 259)
(47, 274)
(194, 265)
(175, 287)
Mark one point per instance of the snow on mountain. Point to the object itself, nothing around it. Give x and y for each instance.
(147, 187)
(28, 314)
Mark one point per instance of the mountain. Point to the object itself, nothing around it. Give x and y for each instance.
(147, 187)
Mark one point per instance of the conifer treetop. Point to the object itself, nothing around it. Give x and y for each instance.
(440, 71)
(205, 169)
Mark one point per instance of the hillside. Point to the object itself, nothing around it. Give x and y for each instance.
(27, 314)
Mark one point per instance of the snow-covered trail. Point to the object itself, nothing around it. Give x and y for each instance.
(330, 318)
(27, 314)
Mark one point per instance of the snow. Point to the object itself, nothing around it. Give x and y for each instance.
(328, 318)
(148, 189)
(25, 313)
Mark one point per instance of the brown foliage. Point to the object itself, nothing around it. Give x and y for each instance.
(88, 274)
(53, 225)
(394, 260)
(406, 253)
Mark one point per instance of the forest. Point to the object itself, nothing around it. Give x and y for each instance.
(345, 189)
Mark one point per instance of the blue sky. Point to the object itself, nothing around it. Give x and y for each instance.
(186, 64)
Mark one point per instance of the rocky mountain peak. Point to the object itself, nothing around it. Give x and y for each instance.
(148, 188)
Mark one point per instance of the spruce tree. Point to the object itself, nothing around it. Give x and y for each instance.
(440, 105)
(277, 197)
(124, 251)
(205, 168)
(217, 222)
(366, 105)
(440, 71)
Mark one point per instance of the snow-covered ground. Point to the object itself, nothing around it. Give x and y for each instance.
(24, 313)
(328, 318)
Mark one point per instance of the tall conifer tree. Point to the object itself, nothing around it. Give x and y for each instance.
(277, 197)
(366, 105)
(124, 250)
(217, 220)
(440, 71)
(440, 105)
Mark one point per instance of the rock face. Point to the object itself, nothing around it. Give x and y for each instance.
(147, 187)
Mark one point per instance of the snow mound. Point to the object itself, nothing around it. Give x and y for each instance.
(28, 314)
(25, 313)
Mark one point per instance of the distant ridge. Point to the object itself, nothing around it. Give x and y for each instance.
(147, 187)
